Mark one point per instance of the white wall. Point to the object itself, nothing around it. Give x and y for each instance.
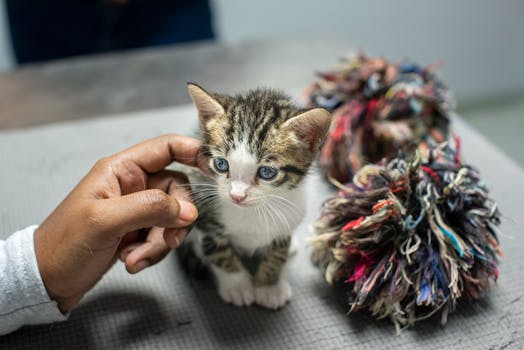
(480, 41)
(6, 59)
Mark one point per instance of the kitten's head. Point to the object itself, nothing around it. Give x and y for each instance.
(257, 144)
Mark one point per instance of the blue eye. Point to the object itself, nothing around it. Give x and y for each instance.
(221, 164)
(267, 172)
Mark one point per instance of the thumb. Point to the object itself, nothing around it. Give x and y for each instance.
(145, 209)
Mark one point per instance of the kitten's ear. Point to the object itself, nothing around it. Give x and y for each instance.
(207, 106)
(310, 127)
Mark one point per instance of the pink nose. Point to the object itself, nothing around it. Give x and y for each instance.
(238, 198)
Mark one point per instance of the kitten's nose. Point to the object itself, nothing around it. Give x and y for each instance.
(238, 198)
(238, 191)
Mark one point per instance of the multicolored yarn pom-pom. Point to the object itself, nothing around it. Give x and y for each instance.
(412, 229)
(410, 237)
(378, 108)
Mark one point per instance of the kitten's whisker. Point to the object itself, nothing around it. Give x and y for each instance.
(277, 219)
(283, 199)
(206, 207)
(284, 210)
(263, 210)
(204, 193)
(276, 213)
(206, 188)
(290, 212)
(289, 204)
(273, 218)
(200, 197)
(281, 215)
(259, 216)
(195, 185)
(203, 198)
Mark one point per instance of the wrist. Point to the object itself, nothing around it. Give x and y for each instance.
(44, 264)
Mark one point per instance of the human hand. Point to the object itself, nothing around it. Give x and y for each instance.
(128, 206)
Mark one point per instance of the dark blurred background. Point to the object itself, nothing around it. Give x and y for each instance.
(51, 29)
(479, 41)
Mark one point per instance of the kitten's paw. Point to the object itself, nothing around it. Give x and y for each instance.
(273, 297)
(234, 287)
(240, 295)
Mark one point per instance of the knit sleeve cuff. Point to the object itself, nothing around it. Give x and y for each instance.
(23, 299)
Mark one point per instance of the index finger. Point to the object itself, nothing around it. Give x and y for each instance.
(155, 154)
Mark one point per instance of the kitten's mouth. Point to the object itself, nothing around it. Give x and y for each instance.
(243, 204)
(240, 204)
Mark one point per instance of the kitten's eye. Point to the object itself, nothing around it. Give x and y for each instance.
(267, 172)
(221, 164)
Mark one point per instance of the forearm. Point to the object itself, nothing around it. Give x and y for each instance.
(23, 296)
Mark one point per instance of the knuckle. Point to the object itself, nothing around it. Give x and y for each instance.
(103, 163)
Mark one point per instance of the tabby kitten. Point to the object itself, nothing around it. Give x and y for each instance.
(256, 150)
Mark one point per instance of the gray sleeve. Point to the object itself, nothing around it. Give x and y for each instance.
(23, 296)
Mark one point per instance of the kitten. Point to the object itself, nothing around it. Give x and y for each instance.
(256, 150)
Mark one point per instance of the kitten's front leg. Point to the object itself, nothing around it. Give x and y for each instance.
(271, 290)
(233, 281)
(234, 287)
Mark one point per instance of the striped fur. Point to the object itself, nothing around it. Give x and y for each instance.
(247, 243)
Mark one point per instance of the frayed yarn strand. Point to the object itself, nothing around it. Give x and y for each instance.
(412, 229)
(409, 237)
(378, 108)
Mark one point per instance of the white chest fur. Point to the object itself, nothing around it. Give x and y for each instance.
(252, 227)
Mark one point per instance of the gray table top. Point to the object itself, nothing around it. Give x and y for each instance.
(152, 78)
(163, 308)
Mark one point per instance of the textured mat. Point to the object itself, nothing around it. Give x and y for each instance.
(161, 308)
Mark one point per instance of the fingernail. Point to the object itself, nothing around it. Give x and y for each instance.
(175, 236)
(188, 212)
(141, 265)
(180, 235)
